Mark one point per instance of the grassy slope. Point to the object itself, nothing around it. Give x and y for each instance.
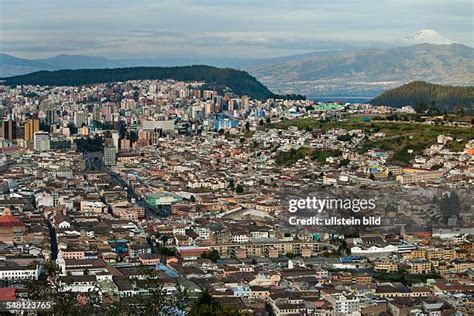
(400, 136)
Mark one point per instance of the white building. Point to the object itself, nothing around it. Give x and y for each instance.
(115, 140)
(11, 270)
(93, 207)
(41, 141)
(78, 283)
(345, 305)
(240, 238)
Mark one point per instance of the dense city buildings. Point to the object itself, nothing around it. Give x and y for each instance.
(119, 189)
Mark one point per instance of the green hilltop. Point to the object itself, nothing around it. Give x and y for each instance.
(240, 82)
(433, 95)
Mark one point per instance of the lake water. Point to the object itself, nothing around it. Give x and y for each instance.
(343, 99)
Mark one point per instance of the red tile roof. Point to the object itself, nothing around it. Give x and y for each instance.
(7, 294)
(10, 221)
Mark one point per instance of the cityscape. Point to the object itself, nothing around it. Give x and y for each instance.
(183, 189)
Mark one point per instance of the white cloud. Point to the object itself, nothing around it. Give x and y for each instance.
(244, 28)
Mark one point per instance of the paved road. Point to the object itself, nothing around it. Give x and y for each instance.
(150, 213)
(94, 162)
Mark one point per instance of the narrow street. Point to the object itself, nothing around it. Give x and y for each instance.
(53, 240)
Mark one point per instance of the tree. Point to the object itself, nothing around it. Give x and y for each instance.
(44, 127)
(344, 248)
(239, 189)
(204, 302)
(122, 130)
(163, 250)
(136, 95)
(450, 205)
(375, 128)
(390, 175)
(90, 144)
(133, 136)
(72, 128)
(156, 300)
(344, 138)
(50, 287)
(206, 305)
(421, 107)
(344, 162)
(212, 255)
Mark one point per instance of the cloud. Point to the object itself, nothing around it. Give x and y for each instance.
(243, 28)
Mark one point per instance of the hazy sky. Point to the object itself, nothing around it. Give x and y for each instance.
(223, 28)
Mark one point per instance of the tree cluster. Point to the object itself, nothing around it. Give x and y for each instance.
(427, 97)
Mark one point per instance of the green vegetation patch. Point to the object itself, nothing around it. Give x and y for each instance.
(399, 136)
(405, 278)
(438, 96)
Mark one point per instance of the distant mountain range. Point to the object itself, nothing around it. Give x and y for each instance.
(13, 66)
(442, 97)
(369, 72)
(240, 82)
(336, 74)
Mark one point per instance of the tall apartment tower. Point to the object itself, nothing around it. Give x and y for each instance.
(31, 127)
(110, 156)
(50, 117)
(9, 130)
(79, 118)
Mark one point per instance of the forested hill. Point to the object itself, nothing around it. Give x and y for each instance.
(240, 82)
(442, 97)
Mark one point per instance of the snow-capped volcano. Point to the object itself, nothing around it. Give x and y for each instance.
(430, 37)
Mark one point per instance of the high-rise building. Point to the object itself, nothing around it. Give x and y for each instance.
(2, 129)
(110, 156)
(9, 130)
(20, 132)
(50, 117)
(208, 109)
(196, 112)
(79, 118)
(41, 141)
(31, 127)
(115, 139)
(84, 131)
